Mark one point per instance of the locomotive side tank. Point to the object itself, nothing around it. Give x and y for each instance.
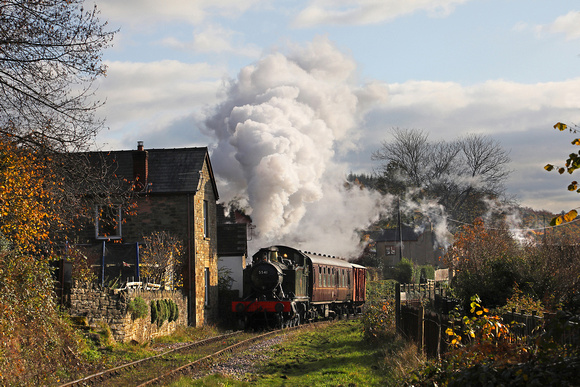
(284, 287)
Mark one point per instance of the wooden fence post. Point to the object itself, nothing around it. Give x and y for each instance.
(421, 328)
(398, 308)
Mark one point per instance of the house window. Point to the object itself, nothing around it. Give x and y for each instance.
(108, 222)
(206, 277)
(205, 219)
(390, 250)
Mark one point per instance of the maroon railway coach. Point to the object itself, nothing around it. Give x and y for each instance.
(284, 287)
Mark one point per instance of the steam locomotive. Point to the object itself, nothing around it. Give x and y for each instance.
(284, 287)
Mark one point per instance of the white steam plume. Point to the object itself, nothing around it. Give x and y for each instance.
(278, 131)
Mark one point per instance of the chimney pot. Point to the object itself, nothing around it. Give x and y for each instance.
(140, 166)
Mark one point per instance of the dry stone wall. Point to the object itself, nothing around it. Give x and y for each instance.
(109, 306)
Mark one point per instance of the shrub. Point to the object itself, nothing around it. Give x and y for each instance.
(404, 271)
(33, 334)
(487, 262)
(154, 311)
(425, 272)
(137, 307)
(379, 314)
(164, 310)
(379, 321)
(174, 311)
(482, 352)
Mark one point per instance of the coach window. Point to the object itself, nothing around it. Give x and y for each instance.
(319, 276)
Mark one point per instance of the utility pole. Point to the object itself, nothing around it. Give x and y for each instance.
(400, 229)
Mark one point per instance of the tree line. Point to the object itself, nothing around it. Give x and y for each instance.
(463, 175)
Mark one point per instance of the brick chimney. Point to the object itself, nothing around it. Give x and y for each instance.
(140, 166)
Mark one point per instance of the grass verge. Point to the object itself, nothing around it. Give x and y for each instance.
(335, 355)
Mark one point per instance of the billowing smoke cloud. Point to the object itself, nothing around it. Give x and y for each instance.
(278, 131)
(434, 218)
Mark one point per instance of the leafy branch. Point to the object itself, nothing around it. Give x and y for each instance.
(571, 165)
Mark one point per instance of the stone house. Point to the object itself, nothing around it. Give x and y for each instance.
(175, 192)
(418, 247)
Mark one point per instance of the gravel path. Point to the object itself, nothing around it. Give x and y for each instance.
(239, 365)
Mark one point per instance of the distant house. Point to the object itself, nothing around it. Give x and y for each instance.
(175, 192)
(418, 247)
(233, 237)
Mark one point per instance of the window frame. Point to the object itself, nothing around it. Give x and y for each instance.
(119, 222)
(205, 219)
(206, 276)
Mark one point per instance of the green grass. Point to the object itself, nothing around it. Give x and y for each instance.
(334, 355)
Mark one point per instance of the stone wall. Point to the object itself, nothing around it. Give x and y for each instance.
(109, 306)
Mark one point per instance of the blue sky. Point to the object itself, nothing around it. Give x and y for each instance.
(509, 69)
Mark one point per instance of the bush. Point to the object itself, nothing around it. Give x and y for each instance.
(33, 334)
(137, 307)
(162, 312)
(379, 313)
(404, 271)
(482, 352)
(174, 311)
(154, 311)
(425, 272)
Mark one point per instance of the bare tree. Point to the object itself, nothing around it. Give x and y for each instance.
(161, 259)
(459, 174)
(50, 56)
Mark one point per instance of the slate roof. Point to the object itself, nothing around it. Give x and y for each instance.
(392, 235)
(170, 170)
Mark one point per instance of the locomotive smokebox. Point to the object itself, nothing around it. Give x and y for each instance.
(266, 277)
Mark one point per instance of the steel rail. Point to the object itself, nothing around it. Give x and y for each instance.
(194, 365)
(135, 363)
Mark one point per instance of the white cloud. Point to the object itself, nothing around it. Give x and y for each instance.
(493, 106)
(144, 13)
(568, 24)
(359, 12)
(151, 96)
(520, 116)
(214, 39)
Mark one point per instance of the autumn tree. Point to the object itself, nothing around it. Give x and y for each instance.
(27, 208)
(487, 262)
(459, 174)
(50, 58)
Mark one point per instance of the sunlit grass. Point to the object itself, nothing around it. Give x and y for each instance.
(334, 355)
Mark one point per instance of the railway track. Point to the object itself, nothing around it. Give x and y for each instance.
(185, 360)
